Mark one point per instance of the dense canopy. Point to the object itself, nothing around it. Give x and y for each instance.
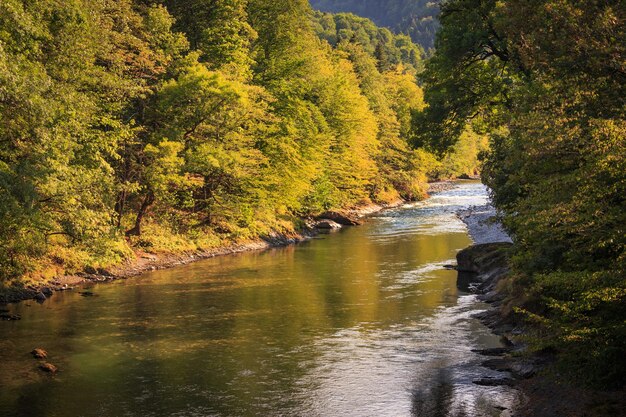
(181, 125)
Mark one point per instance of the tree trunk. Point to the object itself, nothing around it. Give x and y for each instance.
(119, 207)
(145, 205)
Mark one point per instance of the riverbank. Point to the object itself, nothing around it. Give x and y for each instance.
(484, 268)
(144, 261)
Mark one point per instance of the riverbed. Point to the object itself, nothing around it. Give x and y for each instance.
(363, 322)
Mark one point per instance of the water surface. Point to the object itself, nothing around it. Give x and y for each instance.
(363, 322)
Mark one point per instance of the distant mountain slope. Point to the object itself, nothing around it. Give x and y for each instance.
(418, 18)
(387, 48)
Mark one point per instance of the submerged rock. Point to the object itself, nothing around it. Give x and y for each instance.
(9, 317)
(39, 353)
(48, 367)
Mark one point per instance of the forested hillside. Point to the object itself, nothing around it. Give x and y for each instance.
(547, 80)
(416, 18)
(186, 124)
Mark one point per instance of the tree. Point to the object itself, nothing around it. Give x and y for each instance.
(546, 81)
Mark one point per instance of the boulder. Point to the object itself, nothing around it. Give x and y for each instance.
(483, 257)
(40, 297)
(344, 219)
(327, 224)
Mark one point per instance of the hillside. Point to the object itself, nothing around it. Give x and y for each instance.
(417, 18)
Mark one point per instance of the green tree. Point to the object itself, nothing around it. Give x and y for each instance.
(546, 80)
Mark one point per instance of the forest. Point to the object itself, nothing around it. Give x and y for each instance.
(181, 125)
(547, 81)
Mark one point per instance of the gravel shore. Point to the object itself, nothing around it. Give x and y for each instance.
(482, 224)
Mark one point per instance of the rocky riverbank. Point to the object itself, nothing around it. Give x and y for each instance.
(482, 224)
(484, 269)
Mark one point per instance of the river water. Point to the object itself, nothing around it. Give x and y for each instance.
(362, 322)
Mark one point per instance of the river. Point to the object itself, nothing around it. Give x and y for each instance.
(362, 322)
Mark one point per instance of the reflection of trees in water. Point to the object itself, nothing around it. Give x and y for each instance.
(436, 400)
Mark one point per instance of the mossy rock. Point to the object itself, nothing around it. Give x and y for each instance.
(483, 257)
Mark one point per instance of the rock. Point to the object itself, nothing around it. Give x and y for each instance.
(499, 364)
(467, 281)
(452, 267)
(48, 367)
(86, 293)
(499, 351)
(519, 368)
(483, 257)
(327, 225)
(9, 316)
(341, 218)
(39, 353)
(494, 382)
(523, 370)
(40, 297)
(47, 291)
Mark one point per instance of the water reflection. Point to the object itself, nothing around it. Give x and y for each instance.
(365, 322)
